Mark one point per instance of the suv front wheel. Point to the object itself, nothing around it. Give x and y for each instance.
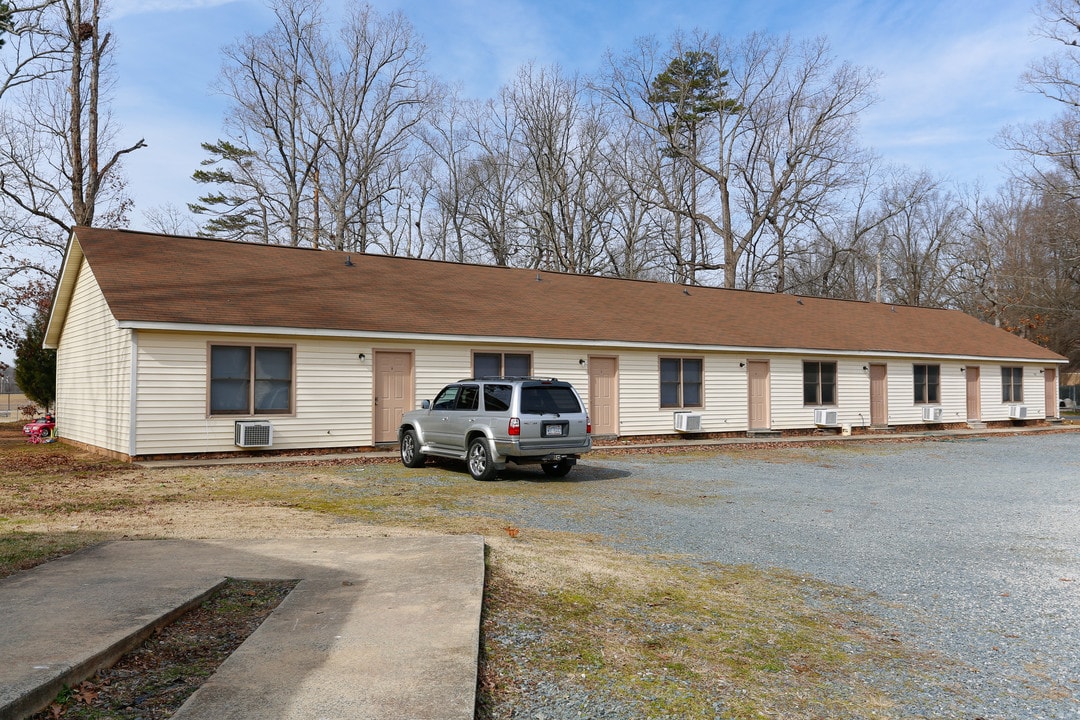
(481, 465)
(411, 456)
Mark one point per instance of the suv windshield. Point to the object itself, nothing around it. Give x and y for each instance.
(548, 400)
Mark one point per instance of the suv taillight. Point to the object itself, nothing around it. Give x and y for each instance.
(514, 428)
(588, 425)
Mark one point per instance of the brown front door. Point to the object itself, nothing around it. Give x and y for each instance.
(757, 372)
(879, 395)
(1051, 392)
(974, 402)
(603, 395)
(391, 393)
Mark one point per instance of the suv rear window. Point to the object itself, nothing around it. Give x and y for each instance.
(548, 400)
(497, 397)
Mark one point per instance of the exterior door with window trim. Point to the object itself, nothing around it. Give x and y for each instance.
(603, 395)
(757, 378)
(879, 394)
(391, 393)
(974, 400)
(1051, 392)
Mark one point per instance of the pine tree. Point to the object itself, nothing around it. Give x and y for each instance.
(35, 367)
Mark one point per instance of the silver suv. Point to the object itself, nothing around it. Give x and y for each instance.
(490, 421)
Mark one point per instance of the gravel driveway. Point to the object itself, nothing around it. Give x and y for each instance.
(971, 547)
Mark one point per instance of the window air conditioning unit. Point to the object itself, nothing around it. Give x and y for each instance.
(931, 414)
(688, 422)
(253, 433)
(1018, 412)
(825, 418)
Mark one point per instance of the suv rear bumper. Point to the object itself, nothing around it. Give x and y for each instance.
(512, 450)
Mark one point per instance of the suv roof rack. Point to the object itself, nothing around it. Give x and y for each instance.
(508, 378)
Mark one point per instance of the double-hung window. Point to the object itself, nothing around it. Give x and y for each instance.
(487, 364)
(819, 383)
(927, 383)
(251, 380)
(681, 382)
(1012, 384)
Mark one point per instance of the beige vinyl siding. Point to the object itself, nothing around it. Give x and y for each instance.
(562, 363)
(170, 413)
(902, 407)
(333, 403)
(438, 364)
(639, 395)
(724, 408)
(332, 395)
(786, 385)
(994, 409)
(903, 410)
(727, 406)
(953, 393)
(93, 371)
(788, 409)
(852, 405)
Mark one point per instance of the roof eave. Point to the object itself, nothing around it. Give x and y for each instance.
(282, 331)
(65, 288)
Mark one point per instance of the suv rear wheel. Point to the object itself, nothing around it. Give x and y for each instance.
(481, 466)
(410, 450)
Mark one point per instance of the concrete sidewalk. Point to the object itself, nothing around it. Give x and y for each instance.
(377, 627)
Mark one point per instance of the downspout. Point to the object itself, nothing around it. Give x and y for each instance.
(133, 394)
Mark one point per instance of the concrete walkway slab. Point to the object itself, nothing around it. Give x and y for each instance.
(376, 627)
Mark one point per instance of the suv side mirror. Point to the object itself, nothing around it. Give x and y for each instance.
(425, 405)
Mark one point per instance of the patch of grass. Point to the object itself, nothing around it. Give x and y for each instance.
(23, 550)
(675, 640)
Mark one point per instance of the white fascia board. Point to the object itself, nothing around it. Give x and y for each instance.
(551, 342)
(65, 287)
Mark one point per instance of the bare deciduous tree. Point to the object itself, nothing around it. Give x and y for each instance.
(323, 125)
(59, 161)
(786, 128)
(265, 173)
(1050, 153)
(920, 242)
(372, 91)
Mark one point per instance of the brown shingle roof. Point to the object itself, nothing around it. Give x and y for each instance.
(148, 278)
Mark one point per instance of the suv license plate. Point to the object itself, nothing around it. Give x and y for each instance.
(553, 430)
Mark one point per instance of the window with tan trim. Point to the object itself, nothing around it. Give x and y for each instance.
(681, 382)
(251, 380)
(1012, 384)
(819, 383)
(494, 364)
(927, 384)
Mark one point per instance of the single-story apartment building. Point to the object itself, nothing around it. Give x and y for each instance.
(179, 346)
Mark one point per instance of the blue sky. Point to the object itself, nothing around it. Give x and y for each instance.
(949, 68)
